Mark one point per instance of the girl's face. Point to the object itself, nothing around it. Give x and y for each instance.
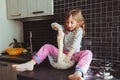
(71, 24)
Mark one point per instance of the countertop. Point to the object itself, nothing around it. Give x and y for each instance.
(16, 59)
(45, 71)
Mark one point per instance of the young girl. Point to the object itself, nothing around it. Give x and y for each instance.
(74, 30)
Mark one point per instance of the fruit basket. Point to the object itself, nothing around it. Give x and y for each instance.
(14, 51)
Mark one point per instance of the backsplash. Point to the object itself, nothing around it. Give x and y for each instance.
(102, 18)
(42, 33)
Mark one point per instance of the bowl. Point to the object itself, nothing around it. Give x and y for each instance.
(14, 51)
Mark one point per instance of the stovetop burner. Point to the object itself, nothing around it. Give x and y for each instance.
(103, 71)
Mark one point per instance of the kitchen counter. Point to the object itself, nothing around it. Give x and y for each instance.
(45, 71)
(16, 59)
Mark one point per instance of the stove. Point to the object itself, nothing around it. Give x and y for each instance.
(99, 70)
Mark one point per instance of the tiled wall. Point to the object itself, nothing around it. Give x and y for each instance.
(102, 18)
(42, 33)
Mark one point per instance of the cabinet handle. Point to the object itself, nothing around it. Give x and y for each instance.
(2, 64)
(37, 12)
(16, 15)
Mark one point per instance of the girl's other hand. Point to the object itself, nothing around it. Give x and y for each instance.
(67, 60)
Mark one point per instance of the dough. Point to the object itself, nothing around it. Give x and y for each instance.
(59, 63)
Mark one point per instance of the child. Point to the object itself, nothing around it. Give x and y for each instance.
(74, 30)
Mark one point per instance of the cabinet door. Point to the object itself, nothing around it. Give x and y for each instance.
(16, 9)
(40, 7)
(7, 72)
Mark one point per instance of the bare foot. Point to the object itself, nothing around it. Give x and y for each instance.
(76, 76)
(28, 66)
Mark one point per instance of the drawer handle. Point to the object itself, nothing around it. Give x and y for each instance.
(16, 15)
(37, 12)
(2, 64)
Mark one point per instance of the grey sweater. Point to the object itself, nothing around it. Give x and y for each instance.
(71, 39)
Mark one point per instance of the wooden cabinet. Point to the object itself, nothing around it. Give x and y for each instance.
(7, 72)
(17, 9)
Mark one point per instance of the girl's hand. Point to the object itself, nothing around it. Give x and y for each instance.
(58, 28)
(67, 60)
(69, 56)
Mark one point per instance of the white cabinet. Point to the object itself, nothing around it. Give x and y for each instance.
(40, 7)
(29, 8)
(16, 9)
